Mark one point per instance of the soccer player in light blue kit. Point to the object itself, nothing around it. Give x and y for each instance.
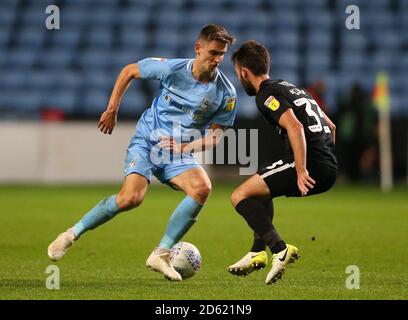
(194, 96)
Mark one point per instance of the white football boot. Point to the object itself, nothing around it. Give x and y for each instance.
(279, 261)
(159, 260)
(59, 246)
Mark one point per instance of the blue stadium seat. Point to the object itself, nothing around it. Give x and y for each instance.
(256, 20)
(279, 71)
(367, 80)
(31, 37)
(34, 15)
(312, 76)
(102, 17)
(380, 60)
(377, 20)
(168, 5)
(344, 82)
(43, 80)
(318, 60)
(86, 3)
(66, 38)
(94, 102)
(241, 4)
(4, 37)
(170, 17)
(245, 104)
(353, 41)
(23, 101)
(402, 21)
(319, 40)
(285, 5)
(20, 58)
(232, 20)
(169, 38)
(134, 102)
(351, 61)
(13, 79)
(285, 59)
(313, 4)
(286, 40)
(73, 17)
(341, 5)
(93, 59)
(403, 63)
(141, 4)
(398, 81)
(131, 19)
(99, 80)
(6, 4)
(132, 38)
(204, 4)
(56, 58)
(7, 16)
(99, 37)
(258, 35)
(196, 19)
(403, 4)
(68, 80)
(123, 57)
(284, 21)
(320, 20)
(387, 38)
(377, 5)
(65, 100)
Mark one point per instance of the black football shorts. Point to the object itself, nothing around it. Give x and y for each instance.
(281, 177)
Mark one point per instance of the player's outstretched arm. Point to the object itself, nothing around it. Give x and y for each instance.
(109, 117)
(297, 141)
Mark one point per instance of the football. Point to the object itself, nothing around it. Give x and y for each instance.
(186, 259)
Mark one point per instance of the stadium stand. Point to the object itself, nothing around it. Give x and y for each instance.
(73, 69)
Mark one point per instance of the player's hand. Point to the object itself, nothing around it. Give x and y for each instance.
(305, 182)
(107, 121)
(169, 143)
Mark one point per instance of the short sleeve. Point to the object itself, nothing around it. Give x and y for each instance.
(273, 105)
(154, 68)
(225, 116)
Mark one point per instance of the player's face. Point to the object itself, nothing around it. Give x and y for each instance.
(243, 78)
(210, 54)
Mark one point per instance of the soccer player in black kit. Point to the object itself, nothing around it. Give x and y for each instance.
(309, 166)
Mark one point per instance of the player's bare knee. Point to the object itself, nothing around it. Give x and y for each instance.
(237, 196)
(129, 201)
(201, 191)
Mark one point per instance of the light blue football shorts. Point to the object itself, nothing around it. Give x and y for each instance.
(145, 158)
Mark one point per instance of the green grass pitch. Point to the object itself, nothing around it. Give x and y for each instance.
(350, 226)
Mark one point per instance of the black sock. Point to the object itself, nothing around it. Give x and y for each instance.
(278, 247)
(259, 244)
(258, 218)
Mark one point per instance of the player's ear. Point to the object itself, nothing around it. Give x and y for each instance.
(245, 72)
(197, 47)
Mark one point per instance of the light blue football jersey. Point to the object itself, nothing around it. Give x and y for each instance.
(184, 104)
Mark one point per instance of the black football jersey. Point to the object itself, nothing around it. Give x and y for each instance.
(276, 96)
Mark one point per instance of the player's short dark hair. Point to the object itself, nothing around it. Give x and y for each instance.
(252, 55)
(216, 32)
